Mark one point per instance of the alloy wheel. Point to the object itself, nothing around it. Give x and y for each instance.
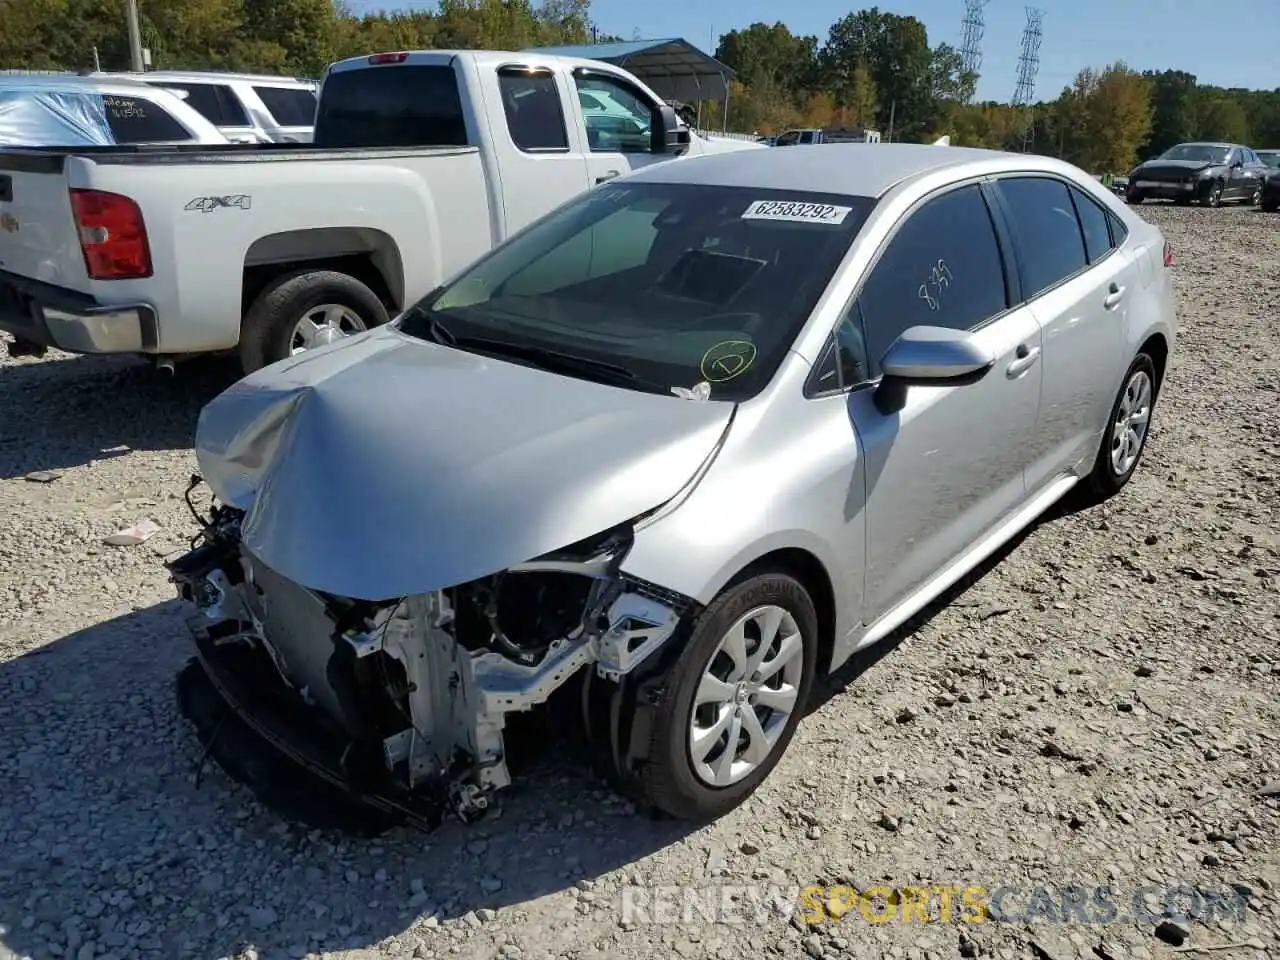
(748, 691)
(1129, 431)
(324, 324)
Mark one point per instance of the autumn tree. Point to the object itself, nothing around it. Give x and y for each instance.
(1105, 118)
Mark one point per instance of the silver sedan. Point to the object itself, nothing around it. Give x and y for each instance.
(676, 449)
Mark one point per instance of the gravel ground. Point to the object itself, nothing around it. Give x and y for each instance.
(1099, 706)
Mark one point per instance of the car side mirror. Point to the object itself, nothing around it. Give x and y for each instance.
(1237, 164)
(930, 356)
(669, 134)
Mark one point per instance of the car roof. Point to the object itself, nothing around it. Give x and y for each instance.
(852, 169)
(71, 82)
(216, 76)
(1207, 143)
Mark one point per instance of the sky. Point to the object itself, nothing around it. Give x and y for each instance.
(1146, 34)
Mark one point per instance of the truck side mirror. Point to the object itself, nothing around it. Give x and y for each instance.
(669, 134)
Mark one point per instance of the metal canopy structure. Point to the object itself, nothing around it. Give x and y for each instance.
(674, 68)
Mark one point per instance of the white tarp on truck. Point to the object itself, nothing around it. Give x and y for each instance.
(52, 117)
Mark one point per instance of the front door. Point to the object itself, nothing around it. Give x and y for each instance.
(618, 120)
(949, 466)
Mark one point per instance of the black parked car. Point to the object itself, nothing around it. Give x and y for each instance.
(1207, 173)
(1271, 189)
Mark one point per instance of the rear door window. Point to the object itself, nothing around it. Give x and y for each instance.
(407, 105)
(216, 102)
(138, 120)
(1093, 224)
(1050, 242)
(290, 106)
(535, 118)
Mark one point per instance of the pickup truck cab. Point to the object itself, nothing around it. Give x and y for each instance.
(422, 161)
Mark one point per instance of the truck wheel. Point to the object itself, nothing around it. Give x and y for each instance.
(305, 309)
(1133, 197)
(736, 693)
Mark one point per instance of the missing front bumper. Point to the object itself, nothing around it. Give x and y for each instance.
(290, 759)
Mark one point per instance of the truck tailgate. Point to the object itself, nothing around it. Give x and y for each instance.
(38, 237)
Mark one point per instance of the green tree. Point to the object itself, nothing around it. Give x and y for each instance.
(1105, 118)
(1173, 103)
(895, 51)
(1220, 116)
(762, 54)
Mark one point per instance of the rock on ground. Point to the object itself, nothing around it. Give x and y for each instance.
(1100, 705)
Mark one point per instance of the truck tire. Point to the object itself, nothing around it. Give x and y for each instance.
(333, 305)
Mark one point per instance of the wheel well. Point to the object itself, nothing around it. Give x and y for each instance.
(1157, 348)
(808, 569)
(369, 256)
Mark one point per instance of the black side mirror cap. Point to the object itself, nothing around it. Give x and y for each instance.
(670, 135)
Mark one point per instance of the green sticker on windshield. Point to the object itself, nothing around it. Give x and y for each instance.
(727, 359)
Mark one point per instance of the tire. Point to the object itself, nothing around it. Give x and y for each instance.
(1256, 197)
(1133, 197)
(1109, 477)
(268, 329)
(1271, 204)
(1213, 195)
(669, 779)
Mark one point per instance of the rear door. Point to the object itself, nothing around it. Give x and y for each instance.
(1078, 283)
(539, 152)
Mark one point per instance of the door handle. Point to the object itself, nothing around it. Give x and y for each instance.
(606, 177)
(1114, 295)
(1026, 359)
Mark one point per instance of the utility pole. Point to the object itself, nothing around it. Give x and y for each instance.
(893, 109)
(135, 36)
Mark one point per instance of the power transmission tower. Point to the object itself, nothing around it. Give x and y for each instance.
(1028, 65)
(971, 42)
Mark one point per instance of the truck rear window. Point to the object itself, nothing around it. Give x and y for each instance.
(391, 106)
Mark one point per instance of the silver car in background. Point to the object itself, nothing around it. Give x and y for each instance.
(679, 447)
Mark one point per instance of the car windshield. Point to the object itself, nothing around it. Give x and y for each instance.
(1270, 157)
(1197, 152)
(654, 286)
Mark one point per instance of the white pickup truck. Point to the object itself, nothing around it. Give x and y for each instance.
(421, 163)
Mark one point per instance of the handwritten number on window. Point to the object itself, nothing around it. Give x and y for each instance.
(939, 279)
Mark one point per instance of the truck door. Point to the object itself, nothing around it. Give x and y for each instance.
(618, 119)
(541, 164)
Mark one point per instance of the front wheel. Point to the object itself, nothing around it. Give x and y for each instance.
(1256, 197)
(736, 693)
(1125, 437)
(1213, 194)
(303, 310)
(1133, 197)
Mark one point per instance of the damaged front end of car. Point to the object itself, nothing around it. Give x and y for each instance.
(401, 705)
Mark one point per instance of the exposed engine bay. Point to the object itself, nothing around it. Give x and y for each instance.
(403, 703)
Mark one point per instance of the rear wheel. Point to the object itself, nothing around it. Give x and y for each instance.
(303, 310)
(737, 691)
(1125, 437)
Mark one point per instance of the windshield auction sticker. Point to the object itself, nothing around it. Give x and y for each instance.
(727, 359)
(796, 212)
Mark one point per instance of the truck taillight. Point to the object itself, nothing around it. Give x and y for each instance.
(113, 235)
(1168, 254)
(380, 58)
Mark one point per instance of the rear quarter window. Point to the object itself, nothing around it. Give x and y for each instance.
(392, 106)
(290, 106)
(138, 120)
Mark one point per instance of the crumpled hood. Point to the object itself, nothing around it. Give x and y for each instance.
(1185, 166)
(384, 465)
